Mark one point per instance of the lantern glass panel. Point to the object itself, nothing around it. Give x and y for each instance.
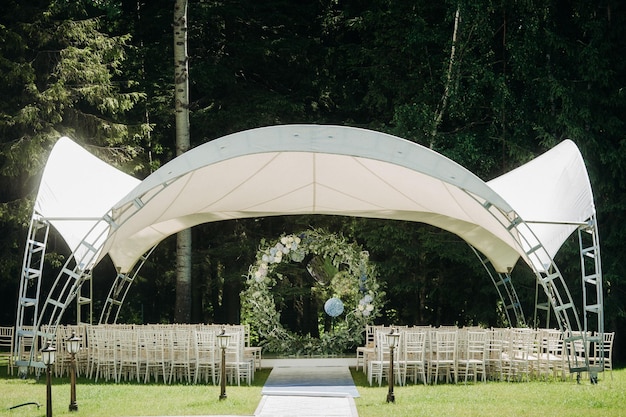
(48, 354)
(222, 340)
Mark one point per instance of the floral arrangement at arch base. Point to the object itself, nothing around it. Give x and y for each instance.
(355, 301)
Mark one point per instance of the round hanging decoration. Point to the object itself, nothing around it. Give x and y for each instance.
(354, 295)
(333, 307)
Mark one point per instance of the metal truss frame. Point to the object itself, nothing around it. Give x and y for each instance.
(578, 338)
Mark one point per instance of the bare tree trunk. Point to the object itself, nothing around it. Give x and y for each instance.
(441, 108)
(182, 312)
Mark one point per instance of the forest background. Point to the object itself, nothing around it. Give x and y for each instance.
(490, 84)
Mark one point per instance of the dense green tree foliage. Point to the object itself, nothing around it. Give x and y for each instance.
(489, 84)
(60, 74)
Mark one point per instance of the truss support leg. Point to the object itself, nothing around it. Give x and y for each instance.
(504, 286)
(29, 293)
(119, 290)
(84, 302)
(593, 299)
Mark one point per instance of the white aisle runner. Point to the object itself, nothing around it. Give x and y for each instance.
(311, 380)
(308, 391)
(303, 406)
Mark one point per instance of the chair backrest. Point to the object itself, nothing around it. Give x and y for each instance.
(246, 332)
(104, 343)
(205, 346)
(522, 343)
(382, 347)
(63, 333)
(152, 344)
(128, 346)
(205, 339)
(444, 344)
(550, 342)
(475, 344)
(414, 344)
(607, 346)
(6, 338)
(370, 335)
(179, 344)
(234, 351)
(578, 345)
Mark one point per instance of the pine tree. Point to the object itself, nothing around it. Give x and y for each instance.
(60, 75)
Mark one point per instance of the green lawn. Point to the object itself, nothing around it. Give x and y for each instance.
(538, 398)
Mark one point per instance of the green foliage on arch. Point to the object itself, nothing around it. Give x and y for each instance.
(354, 283)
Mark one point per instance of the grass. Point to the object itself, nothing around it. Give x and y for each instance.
(537, 398)
(106, 399)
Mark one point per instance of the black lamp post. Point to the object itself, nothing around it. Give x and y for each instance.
(48, 356)
(392, 341)
(222, 341)
(73, 346)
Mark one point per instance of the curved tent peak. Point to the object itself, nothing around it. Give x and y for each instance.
(552, 193)
(77, 189)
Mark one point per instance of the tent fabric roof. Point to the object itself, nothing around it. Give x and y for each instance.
(552, 193)
(76, 190)
(314, 169)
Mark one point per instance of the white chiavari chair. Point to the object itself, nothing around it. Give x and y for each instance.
(252, 352)
(91, 350)
(497, 345)
(152, 351)
(82, 357)
(605, 354)
(414, 355)
(443, 362)
(365, 353)
(128, 354)
(471, 360)
(7, 338)
(105, 352)
(207, 358)
(180, 360)
(519, 354)
(378, 368)
(380, 362)
(238, 367)
(550, 359)
(63, 359)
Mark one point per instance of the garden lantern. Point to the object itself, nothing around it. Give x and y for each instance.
(393, 338)
(48, 356)
(73, 346)
(222, 341)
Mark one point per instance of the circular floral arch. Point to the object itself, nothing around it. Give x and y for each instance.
(355, 298)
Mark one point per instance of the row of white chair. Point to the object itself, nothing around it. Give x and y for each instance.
(430, 355)
(168, 353)
(177, 353)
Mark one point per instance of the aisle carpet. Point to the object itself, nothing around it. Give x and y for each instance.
(310, 380)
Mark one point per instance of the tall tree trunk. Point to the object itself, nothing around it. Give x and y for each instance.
(181, 96)
(441, 108)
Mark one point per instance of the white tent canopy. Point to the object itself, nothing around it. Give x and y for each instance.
(552, 193)
(313, 169)
(76, 190)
